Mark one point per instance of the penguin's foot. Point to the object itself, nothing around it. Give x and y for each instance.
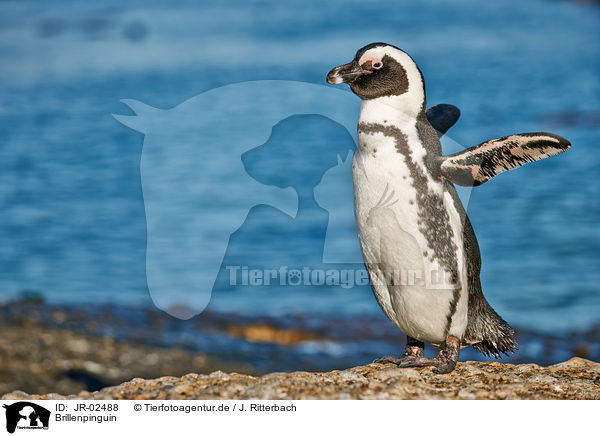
(444, 362)
(414, 349)
(396, 360)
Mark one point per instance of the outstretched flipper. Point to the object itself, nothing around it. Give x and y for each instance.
(477, 165)
(442, 117)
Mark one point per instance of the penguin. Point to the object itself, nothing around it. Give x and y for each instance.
(418, 246)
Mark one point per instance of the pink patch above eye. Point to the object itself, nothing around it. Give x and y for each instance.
(375, 63)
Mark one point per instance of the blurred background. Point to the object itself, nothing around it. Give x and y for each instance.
(75, 306)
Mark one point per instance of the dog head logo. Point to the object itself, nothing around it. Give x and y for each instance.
(26, 415)
(196, 189)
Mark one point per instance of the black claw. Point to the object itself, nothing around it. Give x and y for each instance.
(388, 359)
(407, 362)
(404, 361)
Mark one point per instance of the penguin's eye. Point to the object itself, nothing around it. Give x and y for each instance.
(370, 64)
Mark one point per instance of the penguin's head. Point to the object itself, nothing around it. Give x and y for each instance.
(380, 70)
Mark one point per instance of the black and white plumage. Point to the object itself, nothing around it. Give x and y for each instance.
(479, 164)
(418, 245)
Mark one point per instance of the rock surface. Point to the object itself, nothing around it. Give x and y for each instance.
(574, 379)
(41, 359)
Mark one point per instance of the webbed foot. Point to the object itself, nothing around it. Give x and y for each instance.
(414, 348)
(443, 363)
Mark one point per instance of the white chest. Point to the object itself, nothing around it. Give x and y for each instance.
(409, 268)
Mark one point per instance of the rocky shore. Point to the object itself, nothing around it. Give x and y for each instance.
(120, 352)
(574, 379)
(41, 359)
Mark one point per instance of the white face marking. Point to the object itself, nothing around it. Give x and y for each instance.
(410, 102)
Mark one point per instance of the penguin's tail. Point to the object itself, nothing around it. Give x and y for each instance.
(488, 333)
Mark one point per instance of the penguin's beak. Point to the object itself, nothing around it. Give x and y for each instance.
(346, 73)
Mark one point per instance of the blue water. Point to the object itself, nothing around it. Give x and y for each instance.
(73, 223)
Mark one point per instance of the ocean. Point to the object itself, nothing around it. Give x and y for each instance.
(95, 212)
